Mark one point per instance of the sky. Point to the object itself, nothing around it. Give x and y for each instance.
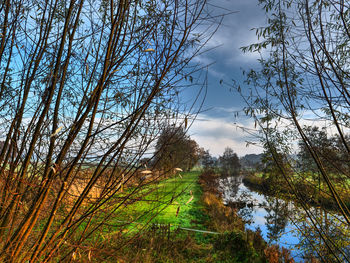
(216, 127)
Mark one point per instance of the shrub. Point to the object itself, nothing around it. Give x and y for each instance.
(236, 247)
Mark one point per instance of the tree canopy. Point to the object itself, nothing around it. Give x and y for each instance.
(175, 149)
(229, 162)
(208, 161)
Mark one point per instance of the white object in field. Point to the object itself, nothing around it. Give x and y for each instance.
(146, 172)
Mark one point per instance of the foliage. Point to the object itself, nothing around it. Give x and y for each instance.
(303, 78)
(328, 148)
(175, 149)
(235, 243)
(165, 243)
(239, 247)
(208, 161)
(229, 162)
(251, 162)
(275, 255)
(155, 244)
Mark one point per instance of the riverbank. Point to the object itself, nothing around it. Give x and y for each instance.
(202, 230)
(310, 193)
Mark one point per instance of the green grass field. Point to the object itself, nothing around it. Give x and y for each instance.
(145, 241)
(174, 201)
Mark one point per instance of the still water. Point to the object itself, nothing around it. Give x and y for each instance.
(287, 225)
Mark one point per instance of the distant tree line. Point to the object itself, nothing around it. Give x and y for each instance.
(228, 163)
(328, 147)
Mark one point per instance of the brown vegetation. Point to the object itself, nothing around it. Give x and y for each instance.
(84, 83)
(222, 218)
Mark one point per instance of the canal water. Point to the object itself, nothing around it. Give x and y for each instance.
(284, 224)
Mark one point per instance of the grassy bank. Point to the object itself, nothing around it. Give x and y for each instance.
(157, 234)
(166, 240)
(174, 201)
(311, 191)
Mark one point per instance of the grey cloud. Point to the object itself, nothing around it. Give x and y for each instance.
(217, 133)
(235, 30)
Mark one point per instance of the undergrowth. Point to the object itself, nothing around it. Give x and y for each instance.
(165, 243)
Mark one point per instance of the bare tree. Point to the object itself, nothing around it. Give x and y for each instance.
(84, 86)
(303, 80)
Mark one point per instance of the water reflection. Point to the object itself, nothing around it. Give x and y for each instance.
(284, 224)
(331, 242)
(229, 187)
(233, 196)
(276, 218)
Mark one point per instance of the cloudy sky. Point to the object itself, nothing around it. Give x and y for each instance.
(216, 127)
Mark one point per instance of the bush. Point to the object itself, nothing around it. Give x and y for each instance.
(237, 246)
